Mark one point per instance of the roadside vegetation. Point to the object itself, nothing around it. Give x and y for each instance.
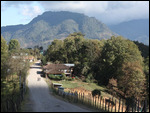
(14, 69)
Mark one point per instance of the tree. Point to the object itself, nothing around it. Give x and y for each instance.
(4, 47)
(4, 55)
(14, 44)
(146, 71)
(132, 80)
(116, 51)
(56, 51)
(121, 59)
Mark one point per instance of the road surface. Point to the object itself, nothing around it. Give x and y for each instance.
(40, 98)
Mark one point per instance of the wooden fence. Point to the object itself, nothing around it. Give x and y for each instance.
(102, 104)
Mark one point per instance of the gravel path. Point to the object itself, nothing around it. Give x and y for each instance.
(40, 97)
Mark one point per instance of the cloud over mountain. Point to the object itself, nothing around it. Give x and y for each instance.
(109, 12)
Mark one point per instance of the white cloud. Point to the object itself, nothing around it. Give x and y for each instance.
(29, 11)
(109, 12)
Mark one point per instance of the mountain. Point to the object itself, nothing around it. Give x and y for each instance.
(136, 30)
(43, 29)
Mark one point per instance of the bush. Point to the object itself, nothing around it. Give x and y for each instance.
(51, 76)
(89, 78)
(55, 77)
(77, 78)
(63, 77)
(70, 79)
(96, 92)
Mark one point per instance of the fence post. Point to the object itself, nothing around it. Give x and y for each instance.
(138, 105)
(88, 100)
(100, 101)
(7, 105)
(95, 101)
(92, 101)
(112, 105)
(83, 98)
(122, 105)
(108, 106)
(119, 106)
(79, 97)
(105, 104)
(115, 105)
(15, 107)
(145, 105)
(132, 107)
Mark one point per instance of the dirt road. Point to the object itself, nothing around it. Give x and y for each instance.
(40, 98)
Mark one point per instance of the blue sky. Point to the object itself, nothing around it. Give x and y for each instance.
(108, 12)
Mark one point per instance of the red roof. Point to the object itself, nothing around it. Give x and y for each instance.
(29, 57)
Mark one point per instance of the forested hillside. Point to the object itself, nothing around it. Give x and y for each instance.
(43, 29)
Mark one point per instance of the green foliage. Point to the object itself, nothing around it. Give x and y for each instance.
(56, 51)
(146, 71)
(57, 77)
(4, 57)
(63, 76)
(43, 60)
(132, 80)
(116, 51)
(89, 78)
(121, 59)
(102, 60)
(96, 92)
(146, 66)
(14, 44)
(55, 25)
(143, 48)
(4, 47)
(11, 69)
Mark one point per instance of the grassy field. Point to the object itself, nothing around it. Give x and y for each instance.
(83, 85)
(79, 84)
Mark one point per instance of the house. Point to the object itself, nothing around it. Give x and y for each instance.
(23, 56)
(29, 58)
(58, 69)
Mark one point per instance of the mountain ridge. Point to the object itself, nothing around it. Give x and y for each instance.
(135, 30)
(55, 25)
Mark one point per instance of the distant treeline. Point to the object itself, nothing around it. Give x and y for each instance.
(143, 48)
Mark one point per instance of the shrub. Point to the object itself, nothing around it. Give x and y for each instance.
(63, 77)
(70, 79)
(96, 92)
(77, 78)
(89, 78)
(55, 77)
(51, 76)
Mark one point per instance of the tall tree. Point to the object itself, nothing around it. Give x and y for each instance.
(122, 60)
(14, 44)
(4, 54)
(116, 51)
(55, 51)
(132, 80)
